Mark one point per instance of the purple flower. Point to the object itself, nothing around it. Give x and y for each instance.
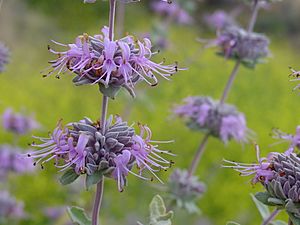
(219, 20)
(4, 56)
(54, 213)
(18, 123)
(263, 171)
(184, 190)
(295, 75)
(85, 149)
(12, 162)
(111, 64)
(174, 11)
(10, 208)
(220, 120)
(293, 140)
(238, 44)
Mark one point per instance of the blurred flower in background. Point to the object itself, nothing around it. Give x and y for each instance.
(10, 208)
(219, 20)
(4, 56)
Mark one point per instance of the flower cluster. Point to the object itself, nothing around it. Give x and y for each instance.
(10, 208)
(248, 47)
(208, 115)
(295, 75)
(219, 20)
(293, 140)
(279, 173)
(85, 149)
(111, 64)
(184, 190)
(18, 123)
(4, 56)
(174, 11)
(11, 161)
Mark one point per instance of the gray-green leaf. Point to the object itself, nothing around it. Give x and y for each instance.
(93, 179)
(262, 208)
(78, 216)
(110, 91)
(68, 177)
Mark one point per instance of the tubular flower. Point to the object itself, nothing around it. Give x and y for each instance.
(238, 44)
(11, 161)
(111, 64)
(184, 190)
(4, 56)
(279, 173)
(174, 11)
(85, 149)
(220, 120)
(10, 208)
(18, 123)
(219, 20)
(293, 140)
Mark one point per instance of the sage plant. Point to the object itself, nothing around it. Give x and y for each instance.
(108, 147)
(4, 56)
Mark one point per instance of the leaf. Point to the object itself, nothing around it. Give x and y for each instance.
(232, 223)
(109, 91)
(295, 220)
(78, 216)
(157, 207)
(262, 208)
(278, 222)
(68, 177)
(95, 178)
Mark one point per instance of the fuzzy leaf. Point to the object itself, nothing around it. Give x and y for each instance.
(78, 216)
(95, 178)
(295, 220)
(263, 197)
(158, 212)
(68, 177)
(262, 208)
(110, 91)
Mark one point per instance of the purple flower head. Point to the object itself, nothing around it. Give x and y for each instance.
(219, 20)
(174, 11)
(12, 162)
(184, 190)
(220, 120)
(279, 173)
(4, 56)
(85, 149)
(18, 123)
(111, 64)
(10, 208)
(295, 77)
(238, 44)
(293, 140)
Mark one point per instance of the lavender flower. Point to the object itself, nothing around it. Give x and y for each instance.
(11, 161)
(174, 11)
(238, 44)
(184, 190)
(295, 75)
(10, 208)
(220, 120)
(84, 149)
(4, 56)
(280, 175)
(111, 64)
(219, 20)
(293, 140)
(18, 123)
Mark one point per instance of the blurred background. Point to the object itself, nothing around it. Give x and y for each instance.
(263, 94)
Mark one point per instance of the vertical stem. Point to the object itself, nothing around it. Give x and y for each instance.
(100, 185)
(290, 222)
(226, 91)
(198, 155)
(271, 217)
(120, 19)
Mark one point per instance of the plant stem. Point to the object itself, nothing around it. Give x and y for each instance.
(226, 91)
(271, 217)
(120, 19)
(100, 185)
(290, 222)
(198, 155)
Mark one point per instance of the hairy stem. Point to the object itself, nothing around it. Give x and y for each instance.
(271, 217)
(100, 185)
(226, 91)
